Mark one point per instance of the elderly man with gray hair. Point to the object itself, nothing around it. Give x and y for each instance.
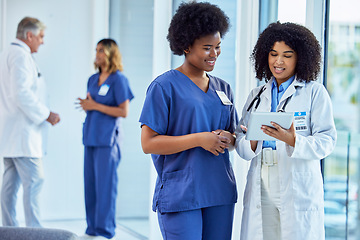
(23, 116)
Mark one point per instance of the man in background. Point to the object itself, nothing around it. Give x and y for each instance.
(23, 114)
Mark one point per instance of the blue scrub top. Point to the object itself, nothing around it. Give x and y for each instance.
(194, 178)
(102, 130)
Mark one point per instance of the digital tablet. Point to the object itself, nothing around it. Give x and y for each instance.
(257, 119)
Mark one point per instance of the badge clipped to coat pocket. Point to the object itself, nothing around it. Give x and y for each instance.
(300, 121)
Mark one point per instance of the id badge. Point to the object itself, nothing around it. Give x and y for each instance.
(224, 99)
(300, 121)
(103, 89)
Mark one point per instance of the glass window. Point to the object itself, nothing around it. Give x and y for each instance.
(342, 66)
(292, 11)
(341, 169)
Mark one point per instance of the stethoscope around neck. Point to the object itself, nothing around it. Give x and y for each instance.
(257, 99)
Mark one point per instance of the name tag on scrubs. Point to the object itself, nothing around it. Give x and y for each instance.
(300, 121)
(103, 90)
(224, 99)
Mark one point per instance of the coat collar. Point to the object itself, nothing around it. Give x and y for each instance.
(289, 92)
(21, 44)
(292, 88)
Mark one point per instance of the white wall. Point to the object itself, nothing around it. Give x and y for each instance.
(65, 61)
(246, 37)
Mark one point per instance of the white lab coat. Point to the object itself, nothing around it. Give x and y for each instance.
(301, 183)
(22, 103)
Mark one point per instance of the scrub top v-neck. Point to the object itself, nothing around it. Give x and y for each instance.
(194, 178)
(101, 129)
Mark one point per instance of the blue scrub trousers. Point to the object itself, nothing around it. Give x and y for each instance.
(100, 180)
(212, 223)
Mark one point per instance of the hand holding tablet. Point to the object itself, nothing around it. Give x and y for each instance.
(257, 119)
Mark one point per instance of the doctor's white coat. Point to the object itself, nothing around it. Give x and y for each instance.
(301, 183)
(22, 103)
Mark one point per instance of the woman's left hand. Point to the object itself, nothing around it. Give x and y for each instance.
(87, 104)
(227, 134)
(286, 135)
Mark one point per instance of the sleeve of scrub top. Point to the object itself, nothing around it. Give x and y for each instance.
(22, 76)
(243, 146)
(122, 90)
(322, 141)
(155, 112)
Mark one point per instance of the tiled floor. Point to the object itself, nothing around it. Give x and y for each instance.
(127, 229)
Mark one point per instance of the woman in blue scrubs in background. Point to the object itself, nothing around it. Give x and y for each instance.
(106, 103)
(187, 123)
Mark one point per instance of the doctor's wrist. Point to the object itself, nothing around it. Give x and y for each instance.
(291, 141)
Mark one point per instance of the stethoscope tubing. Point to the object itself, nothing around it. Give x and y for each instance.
(258, 99)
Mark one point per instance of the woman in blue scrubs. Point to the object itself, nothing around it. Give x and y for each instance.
(106, 103)
(187, 123)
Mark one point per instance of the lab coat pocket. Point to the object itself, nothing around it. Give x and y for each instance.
(178, 191)
(308, 192)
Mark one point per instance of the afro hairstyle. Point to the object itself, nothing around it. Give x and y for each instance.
(298, 38)
(195, 20)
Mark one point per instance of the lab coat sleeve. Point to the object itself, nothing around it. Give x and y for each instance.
(243, 147)
(27, 101)
(322, 140)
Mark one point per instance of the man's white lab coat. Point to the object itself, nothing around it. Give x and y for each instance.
(22, 103)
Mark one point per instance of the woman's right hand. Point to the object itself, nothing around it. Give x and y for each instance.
(243, 128)
(214, 143)
(253, 143)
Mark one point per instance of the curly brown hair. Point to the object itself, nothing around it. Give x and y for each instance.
(195, 20)
(298, 38)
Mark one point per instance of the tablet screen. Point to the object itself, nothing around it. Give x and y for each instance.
(257, 119)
